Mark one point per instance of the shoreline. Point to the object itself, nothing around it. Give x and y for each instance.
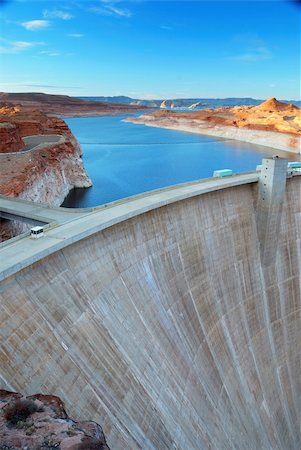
(92, 114)
(272, 139)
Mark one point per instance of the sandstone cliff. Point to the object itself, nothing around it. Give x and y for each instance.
(51, 164)
(10, 138)
(40, 422)
(272, 123)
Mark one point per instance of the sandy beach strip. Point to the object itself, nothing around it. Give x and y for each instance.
(280, 141)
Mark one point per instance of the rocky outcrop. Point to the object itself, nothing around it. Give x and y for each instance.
(40, 422)
(273, 123)
(31, 121)
(57, 170)
(11, 228)
(272, 104)
(49, 168)
(10, 138)
(195, 105)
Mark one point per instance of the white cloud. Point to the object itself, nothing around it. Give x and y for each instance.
(57, 14)
(14, 47)
(50, 53)
(109, 9)
(23, 44)
(99, 10)
(122, 12)
(34, 25)
(38, 86)
(165, 27)
(254, 48)
(7, 50)
(253, 55)
(75, 35)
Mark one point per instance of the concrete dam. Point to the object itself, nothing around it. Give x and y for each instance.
(173, 318)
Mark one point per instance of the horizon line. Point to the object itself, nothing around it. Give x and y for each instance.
(150, 99)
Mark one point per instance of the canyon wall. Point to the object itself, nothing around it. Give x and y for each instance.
(50, 163)
(167, 328)
(10, 138)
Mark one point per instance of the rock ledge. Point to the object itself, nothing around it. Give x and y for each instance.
(40, 422)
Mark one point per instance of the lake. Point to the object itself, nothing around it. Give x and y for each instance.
(124, 159)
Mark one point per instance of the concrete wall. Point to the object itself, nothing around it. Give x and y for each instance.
(166, 328)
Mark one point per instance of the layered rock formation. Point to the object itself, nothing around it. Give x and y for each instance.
(51, 164)
(65, 105)
(272, 104)
(10, 138)
(270, 115)
(272, 123)
(30, 121)
(40, 422)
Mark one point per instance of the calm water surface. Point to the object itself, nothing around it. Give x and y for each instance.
(124, 159)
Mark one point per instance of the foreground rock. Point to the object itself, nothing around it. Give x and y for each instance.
(51, 165)
(40, 422)
(273, 123)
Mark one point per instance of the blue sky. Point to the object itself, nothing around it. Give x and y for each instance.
(151, 49)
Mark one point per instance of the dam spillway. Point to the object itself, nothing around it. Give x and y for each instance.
(165, 327)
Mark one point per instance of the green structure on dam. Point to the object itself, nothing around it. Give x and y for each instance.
(172, 319)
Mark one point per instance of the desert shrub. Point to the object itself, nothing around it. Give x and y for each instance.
(19, 410)
(89, 443)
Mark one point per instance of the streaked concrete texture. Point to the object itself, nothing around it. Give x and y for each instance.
(166, 328)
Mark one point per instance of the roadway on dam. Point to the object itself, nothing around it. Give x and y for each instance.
(69, 225)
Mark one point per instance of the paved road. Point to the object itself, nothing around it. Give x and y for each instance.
(37, 142)
(71, 225)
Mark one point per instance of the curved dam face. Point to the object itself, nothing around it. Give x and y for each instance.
(167, 328)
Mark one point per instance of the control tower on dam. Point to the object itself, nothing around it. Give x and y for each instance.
(173, 318)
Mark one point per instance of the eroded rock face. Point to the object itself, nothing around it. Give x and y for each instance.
(48, 171)
(40, 422)
(272, 123)
(270, 115)
(30, 121)
(10, 138)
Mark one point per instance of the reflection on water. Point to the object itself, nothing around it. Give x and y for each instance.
(124, 159)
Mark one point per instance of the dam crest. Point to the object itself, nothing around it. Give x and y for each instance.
(171, 318)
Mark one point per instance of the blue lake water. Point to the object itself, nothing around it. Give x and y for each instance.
(125, 159)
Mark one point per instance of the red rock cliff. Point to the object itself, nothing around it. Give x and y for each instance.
(49, 167)
(10, 138)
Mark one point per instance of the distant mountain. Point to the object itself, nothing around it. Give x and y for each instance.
(65, 105)
(121, 99)
(191, 103)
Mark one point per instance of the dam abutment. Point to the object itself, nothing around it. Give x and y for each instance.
(167, 327)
